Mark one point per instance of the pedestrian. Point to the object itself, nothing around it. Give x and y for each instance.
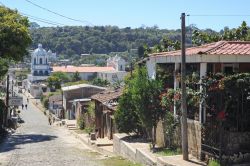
(49, 120)
(22, 106)
(26, 106)
(27, 100)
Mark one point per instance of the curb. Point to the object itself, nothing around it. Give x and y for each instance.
(94, 147)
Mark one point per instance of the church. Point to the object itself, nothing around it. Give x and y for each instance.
(40, 68)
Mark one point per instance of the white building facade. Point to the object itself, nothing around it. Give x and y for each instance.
(40, 69)
(118, 74)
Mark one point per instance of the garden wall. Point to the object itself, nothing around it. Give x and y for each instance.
(194, 137)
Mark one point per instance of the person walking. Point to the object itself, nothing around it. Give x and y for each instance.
(22, 106)
(27, 100)
(26, 106)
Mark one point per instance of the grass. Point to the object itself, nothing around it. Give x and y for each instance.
(168, 152)
(213, 163)
(118, 161)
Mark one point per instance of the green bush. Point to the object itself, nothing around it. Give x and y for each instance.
(46, 102)
(80, 122)
(213, 163)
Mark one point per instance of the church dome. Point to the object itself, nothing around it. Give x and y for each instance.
(40, 51)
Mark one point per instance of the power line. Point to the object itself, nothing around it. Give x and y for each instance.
(43, 20)
(39, 19)
(218, 15)
(72, 19)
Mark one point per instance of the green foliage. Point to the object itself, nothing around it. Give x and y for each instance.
(3, 67)
(76, 77)
(14, 34)
(125, 116)
(202, 37)
(76, 83)
(139, 106)
(80, 121)
(71, 40)
(46, 103)
(14, 37)
(56, 79)
(100, 82)
(213, 163)
(169, 152)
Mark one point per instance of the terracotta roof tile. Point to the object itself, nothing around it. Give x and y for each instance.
(73, 69)
(107, 95)
(217, 48)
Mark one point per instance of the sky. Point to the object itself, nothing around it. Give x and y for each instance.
(214, 14)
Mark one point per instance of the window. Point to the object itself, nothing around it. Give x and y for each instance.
(46, 61)
(34, 61)
(40, 72)
(41, 61)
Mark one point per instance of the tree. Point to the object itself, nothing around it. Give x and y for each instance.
(126, 118)
(54, 82)
(76, 77)
(14, 35)
(100, 82)
(62, 76)
(146, 95)
(56, 79)
(142, 100)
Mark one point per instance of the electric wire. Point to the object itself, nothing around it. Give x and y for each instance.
(218, 15)
(39, 19)
(43, 20)
(69, 18)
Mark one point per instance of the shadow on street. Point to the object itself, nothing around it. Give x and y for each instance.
(13, 141)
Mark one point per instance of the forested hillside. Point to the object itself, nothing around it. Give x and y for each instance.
(75, 40)
(72, 40)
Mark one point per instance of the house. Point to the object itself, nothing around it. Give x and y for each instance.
(105, 104)
(81, 91)
(86, 73)
(223, 56)
(116, 75)
(112, 76)
(55, 105)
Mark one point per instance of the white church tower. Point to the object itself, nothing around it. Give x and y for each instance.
(40, 69)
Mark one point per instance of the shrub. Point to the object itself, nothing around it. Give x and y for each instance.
(80, 122)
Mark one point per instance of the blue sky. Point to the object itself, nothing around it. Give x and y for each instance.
(135, 13)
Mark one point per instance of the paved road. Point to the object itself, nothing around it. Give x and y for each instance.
(35, 143)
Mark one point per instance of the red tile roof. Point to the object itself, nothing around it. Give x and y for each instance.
(73, 69)
(107, 95)
(217, 48)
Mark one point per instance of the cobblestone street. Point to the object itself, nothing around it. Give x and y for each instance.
(39, 144)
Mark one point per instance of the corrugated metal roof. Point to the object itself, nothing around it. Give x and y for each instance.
(73, 69)
(73, 87)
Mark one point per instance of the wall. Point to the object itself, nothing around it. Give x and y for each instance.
(194, 137)
(160, 134)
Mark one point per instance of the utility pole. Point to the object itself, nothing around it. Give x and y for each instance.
(183, 90)
(7, 102)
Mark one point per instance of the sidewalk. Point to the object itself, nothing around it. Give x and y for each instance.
(139, 151)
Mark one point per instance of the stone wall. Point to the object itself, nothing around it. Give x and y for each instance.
(194, 137)
(160, 134)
